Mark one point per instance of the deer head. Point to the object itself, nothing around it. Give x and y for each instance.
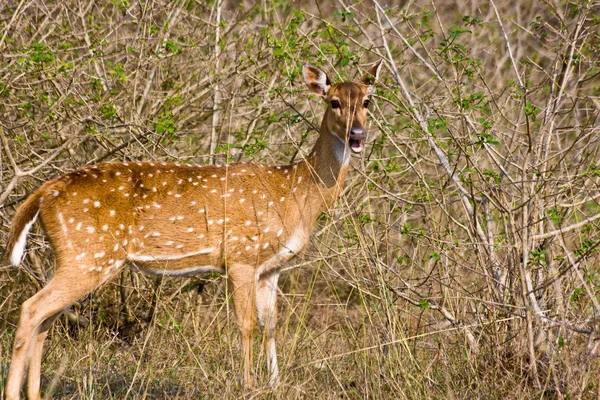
(347, 104)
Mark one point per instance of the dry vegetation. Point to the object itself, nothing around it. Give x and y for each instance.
(462, 259)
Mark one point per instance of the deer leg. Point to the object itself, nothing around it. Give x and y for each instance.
(243, 284)
(35, 358)
(37, 314)
(33, 312)
(266, 306)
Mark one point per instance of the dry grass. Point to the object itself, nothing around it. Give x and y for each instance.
(461, 261)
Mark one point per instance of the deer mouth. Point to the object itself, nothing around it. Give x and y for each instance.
(356, 145)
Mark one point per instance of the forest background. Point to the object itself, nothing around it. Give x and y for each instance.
(461, 260)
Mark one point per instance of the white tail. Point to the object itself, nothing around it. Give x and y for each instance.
(179, 219)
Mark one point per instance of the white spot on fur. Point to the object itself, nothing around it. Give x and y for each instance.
(62, 223)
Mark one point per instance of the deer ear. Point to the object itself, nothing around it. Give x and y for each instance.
(371, 76)
(318, 81)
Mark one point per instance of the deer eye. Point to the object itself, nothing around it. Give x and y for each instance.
(335, 104)
(366, 104)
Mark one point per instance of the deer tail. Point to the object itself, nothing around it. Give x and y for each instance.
(24, 218)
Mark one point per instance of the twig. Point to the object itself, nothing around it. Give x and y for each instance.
(216, 114)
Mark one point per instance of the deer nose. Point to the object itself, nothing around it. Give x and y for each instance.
(357, 133)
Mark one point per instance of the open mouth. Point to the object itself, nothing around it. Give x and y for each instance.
(356, 145)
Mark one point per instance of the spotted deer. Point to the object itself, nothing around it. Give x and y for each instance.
(243, 220)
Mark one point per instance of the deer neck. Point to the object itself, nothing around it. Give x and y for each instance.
(328, 162)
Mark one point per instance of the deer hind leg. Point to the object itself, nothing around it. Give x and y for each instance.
(37, 315)
(35, 358)
(242, 281)
(266, 306)
(33, 312)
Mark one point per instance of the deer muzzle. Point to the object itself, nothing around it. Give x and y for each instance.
(356, 139)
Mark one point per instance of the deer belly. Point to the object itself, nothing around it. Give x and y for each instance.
(178, 263)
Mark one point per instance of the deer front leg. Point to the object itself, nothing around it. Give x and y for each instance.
(243, 284)
(266, 306)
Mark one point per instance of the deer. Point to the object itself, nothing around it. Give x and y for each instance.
(244, 220)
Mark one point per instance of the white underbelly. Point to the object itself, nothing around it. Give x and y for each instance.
(189, 271)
